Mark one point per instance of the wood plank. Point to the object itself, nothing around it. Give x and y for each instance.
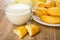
(57, 33)
(47, 33)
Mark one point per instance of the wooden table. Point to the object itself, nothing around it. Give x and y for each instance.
(6, 30)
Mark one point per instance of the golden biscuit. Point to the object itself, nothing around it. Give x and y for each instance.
(54, 11)
(57, 3)
(40, 11)
(41, 4)
(32, 29)
(20, 31)
(34, 2)
(49, 3)
(50, 19)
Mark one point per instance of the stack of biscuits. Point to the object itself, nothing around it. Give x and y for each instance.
(48, 11)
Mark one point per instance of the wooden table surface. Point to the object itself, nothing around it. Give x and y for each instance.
(6, 30)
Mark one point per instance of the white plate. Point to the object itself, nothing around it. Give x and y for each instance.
(37, 19)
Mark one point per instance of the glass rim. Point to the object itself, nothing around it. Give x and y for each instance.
(17, 10)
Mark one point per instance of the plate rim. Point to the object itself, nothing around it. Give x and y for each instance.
(40, 22)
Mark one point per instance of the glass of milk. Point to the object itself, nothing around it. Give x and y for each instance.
(18, 13)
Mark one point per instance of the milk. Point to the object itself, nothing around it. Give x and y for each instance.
(18, 14)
